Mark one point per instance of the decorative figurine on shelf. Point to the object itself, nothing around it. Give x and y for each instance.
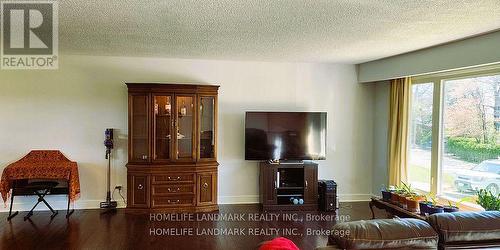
(168, 107)
(183, 109)
(156, 107)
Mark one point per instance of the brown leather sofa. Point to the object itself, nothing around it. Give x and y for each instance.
(462, 230)
(383, 234)
(469, 230)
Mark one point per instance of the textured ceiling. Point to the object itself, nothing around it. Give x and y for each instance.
(340, 31)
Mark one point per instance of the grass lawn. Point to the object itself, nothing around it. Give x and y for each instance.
(419, 174)
(422, 174)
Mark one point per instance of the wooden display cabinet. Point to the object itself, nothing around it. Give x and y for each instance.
(172, 161)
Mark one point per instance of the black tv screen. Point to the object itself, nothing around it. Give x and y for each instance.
(285, 136)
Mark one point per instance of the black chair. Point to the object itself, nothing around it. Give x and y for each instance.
(41, 189)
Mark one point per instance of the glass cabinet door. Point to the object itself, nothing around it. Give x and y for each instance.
(207, 127)
(185, 127)
(139, 150)
(163, 126)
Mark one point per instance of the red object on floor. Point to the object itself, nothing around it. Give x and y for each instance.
(280, 243)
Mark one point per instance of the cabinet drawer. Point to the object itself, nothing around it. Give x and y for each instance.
(172, 201)
(173, 178)
(172, 189)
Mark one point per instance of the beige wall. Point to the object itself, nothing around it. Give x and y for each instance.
(69, 108)
(380, 133)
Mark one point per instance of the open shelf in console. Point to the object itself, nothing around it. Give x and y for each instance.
(290, 184)
(290, 177)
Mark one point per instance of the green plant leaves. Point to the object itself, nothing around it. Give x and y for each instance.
(488, 201)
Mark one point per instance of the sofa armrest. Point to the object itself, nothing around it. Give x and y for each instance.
(467, 227)
(384, 234)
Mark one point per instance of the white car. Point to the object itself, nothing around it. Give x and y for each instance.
(486, 175)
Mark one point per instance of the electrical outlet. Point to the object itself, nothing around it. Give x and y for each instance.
(119, 188)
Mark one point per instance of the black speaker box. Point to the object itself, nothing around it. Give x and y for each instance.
(328, 200)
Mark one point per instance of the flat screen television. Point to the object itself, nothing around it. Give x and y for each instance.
(285, 136)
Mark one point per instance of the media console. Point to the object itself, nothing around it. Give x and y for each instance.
(280, 182)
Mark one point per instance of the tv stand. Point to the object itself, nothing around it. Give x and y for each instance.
(280, 182)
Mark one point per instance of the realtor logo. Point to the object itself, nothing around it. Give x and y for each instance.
(29, 35)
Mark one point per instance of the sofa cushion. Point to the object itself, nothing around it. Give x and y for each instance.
(384, 234)
(467, 226)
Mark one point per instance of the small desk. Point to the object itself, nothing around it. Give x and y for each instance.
(393, 209)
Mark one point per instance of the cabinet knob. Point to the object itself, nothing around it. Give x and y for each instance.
(140, 187)
(174, 191)
(205, 185)
(173, 202)
(170, 178)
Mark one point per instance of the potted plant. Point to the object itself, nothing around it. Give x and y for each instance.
(406, 192)
(413, 202)
(434, 208)
(451, 208)
(424, 206)
(386, 193)
(402, 199)
(488, 201)
(395, 195)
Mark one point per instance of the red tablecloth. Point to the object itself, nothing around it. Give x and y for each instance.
(42, 164)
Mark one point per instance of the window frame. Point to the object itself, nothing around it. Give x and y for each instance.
(416, 82)
(438, 80)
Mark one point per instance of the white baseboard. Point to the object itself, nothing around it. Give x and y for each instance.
(354, 197)
(60, 202)
(240, 199)
(252, 199)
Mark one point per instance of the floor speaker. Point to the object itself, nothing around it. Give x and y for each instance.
(328, 200)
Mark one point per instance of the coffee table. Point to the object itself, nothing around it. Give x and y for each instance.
(393, 209)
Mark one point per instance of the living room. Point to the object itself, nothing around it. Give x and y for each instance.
(394, 95)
